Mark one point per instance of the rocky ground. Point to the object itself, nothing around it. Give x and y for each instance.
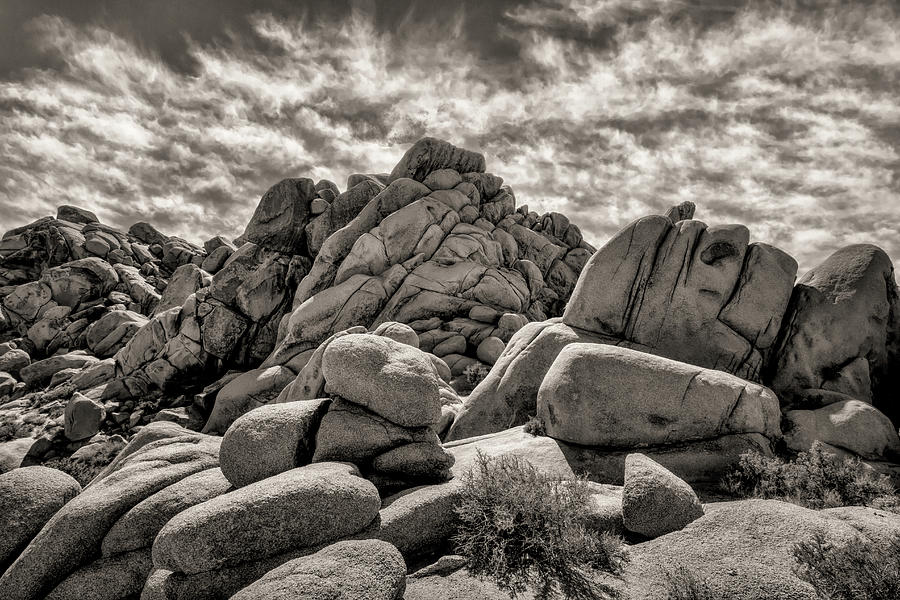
(247, 417)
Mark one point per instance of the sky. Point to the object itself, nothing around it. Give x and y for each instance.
(783, 116)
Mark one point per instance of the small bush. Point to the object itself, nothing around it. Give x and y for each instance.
(525, 529)
(814, 479)
(535, 426)
(475, 374)
(685, 585)
(855, 570)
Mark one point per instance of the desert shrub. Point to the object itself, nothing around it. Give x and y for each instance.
(475, 374)
(525, 529)
(535, 426)
(685, 585)
(854, 570)
(814, 479)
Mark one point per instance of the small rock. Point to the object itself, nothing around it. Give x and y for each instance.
(83, 417)
(654, 500)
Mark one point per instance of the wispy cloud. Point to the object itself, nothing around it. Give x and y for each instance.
(781, 118)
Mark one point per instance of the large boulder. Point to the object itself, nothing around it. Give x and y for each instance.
(839, 336)
(654, 500)
(281, 216)
(686, 291)
(431, 154)
(392, 379)
(137, 528)
(244, 393)
(83, 417)
(743, 550)
(298, 508)
(28, 498)
(357, 570)
(270, 440)
(850, 425)
(607, 396)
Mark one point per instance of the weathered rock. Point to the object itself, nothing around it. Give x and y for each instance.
(654, 500)
(841, 311)
(399, 332)
(490, 349)
(74, 214)
(741, 550)
(298, 508)
(28, 498)
(351, 433)
(244, 393)
(647, 400)
(83, 417)
(270, 440)
(416, 460)
(110, 578)
(281, 215)
(13, 361)
(430, 154)
(112, 331)
(185, 280)
(137, 528)
(389, 378)
(40, 372)
(851, 425)
(74, 534)
(664, 286)
(361, 570)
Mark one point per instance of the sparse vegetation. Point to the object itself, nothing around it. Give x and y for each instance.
(685, 585)
(535, 426)
(814, 479)
(475, 374)
(854, 570)
(524, 530)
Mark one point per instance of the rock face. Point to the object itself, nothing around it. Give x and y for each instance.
(654, 501)
(363, 570)
(839, 336)
(686, 291)
(601, 395)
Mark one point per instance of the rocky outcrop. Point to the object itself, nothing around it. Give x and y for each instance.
(839, 339)
(689, 292)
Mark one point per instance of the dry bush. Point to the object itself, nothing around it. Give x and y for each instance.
(814, 479)
(525, 530)
(854, 570)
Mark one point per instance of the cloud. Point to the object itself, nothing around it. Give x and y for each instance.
(781, 118)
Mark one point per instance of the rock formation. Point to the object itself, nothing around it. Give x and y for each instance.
(289, 413)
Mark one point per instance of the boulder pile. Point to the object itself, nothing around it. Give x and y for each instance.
(288, 414)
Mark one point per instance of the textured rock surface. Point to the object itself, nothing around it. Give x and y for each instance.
(686, 291)
(742, 550)
(298, 508)
(270, 440)
(391, 379)
(28, 498)
(655, 501)
(361, 570)
(839, 335)
(602, 395)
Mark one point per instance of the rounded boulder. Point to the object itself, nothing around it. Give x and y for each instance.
(393, 380)
(299, 508)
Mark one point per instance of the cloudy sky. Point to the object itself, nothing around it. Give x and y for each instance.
(780, 115)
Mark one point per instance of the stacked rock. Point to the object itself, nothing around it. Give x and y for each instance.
(386, 403)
